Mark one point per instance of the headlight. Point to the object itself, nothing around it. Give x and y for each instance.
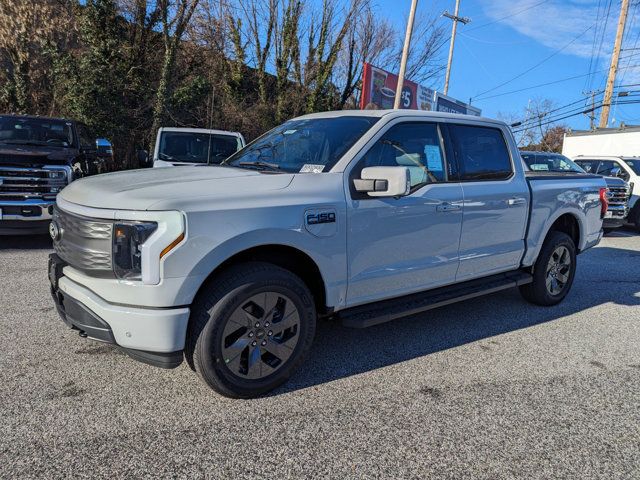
(128, 238)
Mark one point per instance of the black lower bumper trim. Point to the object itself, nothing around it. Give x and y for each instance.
(157, 359)
(79, 317)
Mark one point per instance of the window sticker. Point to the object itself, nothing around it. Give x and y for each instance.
(539, 167)
(289, 132)
(311, 168)
(434, 159)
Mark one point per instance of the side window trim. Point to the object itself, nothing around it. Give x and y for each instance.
(459, 162)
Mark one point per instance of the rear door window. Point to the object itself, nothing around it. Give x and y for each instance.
(481, 152)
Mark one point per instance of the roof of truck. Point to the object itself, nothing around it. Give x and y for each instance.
(37, 117)
(393, 113)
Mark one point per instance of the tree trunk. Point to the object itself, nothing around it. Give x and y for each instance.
(163, 89)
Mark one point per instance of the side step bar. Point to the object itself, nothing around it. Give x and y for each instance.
(387, 310)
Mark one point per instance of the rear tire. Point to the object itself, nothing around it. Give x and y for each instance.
(251, 327)
(553, 272)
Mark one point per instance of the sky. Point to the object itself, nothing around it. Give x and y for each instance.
(515, 44)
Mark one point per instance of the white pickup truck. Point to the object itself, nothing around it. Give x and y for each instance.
(177, 146)
(363, 216)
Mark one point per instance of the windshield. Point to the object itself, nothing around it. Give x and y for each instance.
(192, 147)
(312, 145)
(35, 131)
(634, 164)
(541, 162)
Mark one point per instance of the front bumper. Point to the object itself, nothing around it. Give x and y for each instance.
(154, 336)
(27, 217)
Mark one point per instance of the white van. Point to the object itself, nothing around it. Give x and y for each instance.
(194, 146)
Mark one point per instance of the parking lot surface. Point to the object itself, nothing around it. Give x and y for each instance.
(488, 388)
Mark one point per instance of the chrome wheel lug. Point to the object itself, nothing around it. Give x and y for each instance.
(264, 342)
(267, 324)
(254, 343)
(270, 333)
(250, 334)
(257, 324)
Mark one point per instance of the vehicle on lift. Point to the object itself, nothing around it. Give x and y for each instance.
(194, 146)
(626, 168)
(39, 156)
(618, 193)
(366, 216)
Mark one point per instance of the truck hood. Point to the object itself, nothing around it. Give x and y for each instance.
(35, 156)
(170, 188)
(615, 182)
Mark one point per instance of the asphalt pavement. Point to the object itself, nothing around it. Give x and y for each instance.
(488, 388)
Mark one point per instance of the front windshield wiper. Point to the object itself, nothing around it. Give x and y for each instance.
(164, 156)
(260, 164)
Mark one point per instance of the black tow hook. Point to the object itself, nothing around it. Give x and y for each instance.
(83, 334)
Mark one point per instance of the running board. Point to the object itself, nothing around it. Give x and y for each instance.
(380, 312)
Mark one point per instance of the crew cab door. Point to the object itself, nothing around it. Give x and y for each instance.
(496, 201)
(402, 245)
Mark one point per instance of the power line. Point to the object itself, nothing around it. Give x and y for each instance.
(534, 66)
(506, 16)
(570, 114)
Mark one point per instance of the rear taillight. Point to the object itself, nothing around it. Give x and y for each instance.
(604, 202)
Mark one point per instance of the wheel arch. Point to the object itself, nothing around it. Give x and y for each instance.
(285, 256)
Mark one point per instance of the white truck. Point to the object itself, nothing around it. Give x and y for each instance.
(610, 152)
(194, 146)
(364, 216)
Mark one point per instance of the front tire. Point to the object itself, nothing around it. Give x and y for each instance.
(251, 327)
(553, 272)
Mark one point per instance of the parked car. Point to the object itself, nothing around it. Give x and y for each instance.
(366, 216)
(105, 155)
(627, 168)
(618, 193)
(194, 146)
(39, 156)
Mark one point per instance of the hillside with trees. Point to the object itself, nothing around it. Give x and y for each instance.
(126, 67)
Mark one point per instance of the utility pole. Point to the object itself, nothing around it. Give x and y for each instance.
(405, 53)
(591, 114)
(456, 19)
(608, 93)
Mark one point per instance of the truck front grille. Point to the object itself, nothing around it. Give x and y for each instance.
(618, 195)
(19, 183)
(84, 243)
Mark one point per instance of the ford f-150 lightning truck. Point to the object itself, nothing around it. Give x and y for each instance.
(363, 216)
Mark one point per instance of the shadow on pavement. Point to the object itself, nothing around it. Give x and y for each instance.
(25, 242)
(340, 352)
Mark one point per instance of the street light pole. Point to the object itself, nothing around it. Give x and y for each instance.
(405, 53)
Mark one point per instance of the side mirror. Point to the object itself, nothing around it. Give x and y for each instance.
(143, 158)
(104, 146)
(384, 181)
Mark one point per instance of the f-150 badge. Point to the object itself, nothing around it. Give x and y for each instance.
(321, 222)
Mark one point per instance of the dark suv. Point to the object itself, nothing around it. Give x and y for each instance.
(39, 156)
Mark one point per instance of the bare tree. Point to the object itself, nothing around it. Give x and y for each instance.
(174, 16)
(29, 33)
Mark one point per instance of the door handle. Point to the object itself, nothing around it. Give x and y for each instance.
(516, 201)
(447, 207)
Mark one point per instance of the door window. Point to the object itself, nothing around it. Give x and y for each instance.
(85, 137)
(416, 146)
(606, 167)
(481, 152)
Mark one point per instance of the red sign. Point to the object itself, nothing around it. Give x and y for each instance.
(379, 91)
